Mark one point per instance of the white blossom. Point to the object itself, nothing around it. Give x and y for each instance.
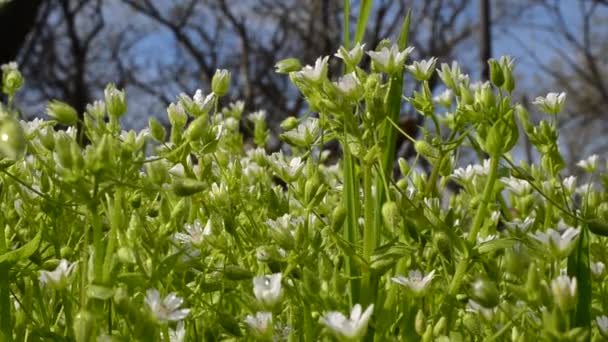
(348, 328)
(166, 309)
(195, 233)
(260, 324)
(415, 282)
(351, 57)
(597, 268)
(316, 73)
(203, 102)
(349, 85)
(602, 325)
(487, 313)
(559, 244)
(589, 164)
(564, 290)
(552, 103)
(390, 60)
(268, 289)
(445, 98)
(517, 186)
(569, 184)
(305, 134)
(422, 70)
(60, 278)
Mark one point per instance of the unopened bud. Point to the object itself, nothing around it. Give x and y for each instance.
(116, 103)
(496, 75)
(391, 215)
(289, 123)
(221, 82)
(288, 65)
(157, 130)
(338, 216)
(188, 187)
(12, 80)
(485, 292)
(62, 112)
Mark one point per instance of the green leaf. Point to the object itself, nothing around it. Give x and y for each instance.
(494, 245)
(24, 252)
(404, 35)
(579, 267)
(366, 8)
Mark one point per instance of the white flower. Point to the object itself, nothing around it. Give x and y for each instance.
(260, 324)
(204, 102)
(589, 164)
(597, 268)
(283, 230)
(569, 184)
(59, 278)
(564, 291)
(195, 234)
(350, 86)
(258, 116)
(517, 186)
(218, 193)
(288, 170)
(415, 282)
(305, 134)
(390, 60)
(422, 70)
(177, 335)
(602, 325)
(466, 174)
(517, 224)
(445, 98)
(351, 57)
(473, 306)
(267, 289)
(484, 239)
(552, 103)
(348, 328)
(452, 77)
(560, 244)
(316, 73)
(166, 309)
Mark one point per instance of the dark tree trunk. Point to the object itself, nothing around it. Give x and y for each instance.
(485, 39)
(17, 18)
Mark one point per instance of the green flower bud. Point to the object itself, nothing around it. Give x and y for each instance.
(420, 323)
(62, 112)
(234, 272)
(289, 123)
(177, 115)
(115, 101)
(532, 284)
(425, 149)
(62, 148)
(12, 80)
(12, 138)
(428, 334)
(84, 324)
(404, 167)
(496, 74)
(230, 323)
(440, 326)
(485, 292)
(188, 187)
(598, 227)
(221, 82)
(197, 128)
(391, 215)
(506, 65)
(466, 97)
(337, 218)
(157, 130)
(288, 65)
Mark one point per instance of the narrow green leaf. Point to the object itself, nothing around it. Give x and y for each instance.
(579, 266)
(346, 28)
(404, 35)
(12, 257)
(366, 8)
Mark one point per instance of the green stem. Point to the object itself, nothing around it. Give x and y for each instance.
(462, 266)
(370, 237)
(5, 303)
(67, 310)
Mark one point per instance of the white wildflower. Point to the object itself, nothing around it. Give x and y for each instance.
(314, 74)
(518, 187)
(60, 278)
(353, 56)
(166, 309)
(350, 86)
(258, 116)
(348, 328)
(597, 268)
(560, 244)
(415, 282)
(195, 233)
(422, 70)
(589, 164)
(473, 306)
(268, 290)
(602, 325)
(305, 134)
(260, 324)
(288, 170)
(390, 60)
(445, 98)
(564, 291)
(552, 103)
(569, 184)
(203, 102)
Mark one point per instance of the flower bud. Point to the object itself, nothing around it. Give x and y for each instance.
(126, 255)
(187, 187)
(157, 130)
(12, 80)
(337, 218)
(496, 74)
(221, 82)
(485, 292)
(177, 115)
(425, 149)
(62, 112)
(440, 326)
(391, 215)
(116, 103)
(197, 128)
(12, 137)
(234, 272)
(420, 322)
(289, 123)
(288, 65)
(84, 324)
